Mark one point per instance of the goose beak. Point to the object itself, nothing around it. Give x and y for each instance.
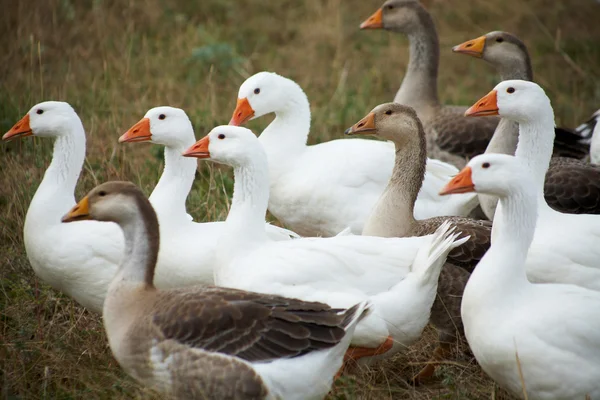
(243, 112)
(471, 47)
(80, 212)
(364, 126)
(461, 183)
(199, 149)
(375, 21)
(20, 129)
(140, 132)
(487, 105)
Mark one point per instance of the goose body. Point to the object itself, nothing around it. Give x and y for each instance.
(398, 276)
(310, 185)
(565, 247)
(571, 185)
(202, 341)
(537, 341)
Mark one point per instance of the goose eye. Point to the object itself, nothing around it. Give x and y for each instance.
(388, 112)
(485, 165)
(257, 91)
(39, 111)
(221, 136)
(390, 7)
(499, 40)
(162, 116)
(510, 90)
(102, 193)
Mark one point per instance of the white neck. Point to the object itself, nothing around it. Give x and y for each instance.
(56, 193)
(169, 196)
(246, 219)
(288, 132)
(502, 269)
(536, 141)
(419, 86)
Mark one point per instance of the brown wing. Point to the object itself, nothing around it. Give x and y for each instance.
(460, 135)
(252, 326)
(573, 186)
(467, 255)
(569, 144)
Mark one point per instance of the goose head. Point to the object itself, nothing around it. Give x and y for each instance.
(111, 201)
(227, 144)
(516, 100)
(390, 121)
(167, 126)
(264, 93)
(396, 15)
(494, 174)
(47, 119)
(501, 49)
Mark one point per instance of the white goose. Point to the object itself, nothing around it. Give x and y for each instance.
(311, 186)
(172, 128)
(566, 247)
(398, 275)
(79, 260)
(539, 341)
(207, 342)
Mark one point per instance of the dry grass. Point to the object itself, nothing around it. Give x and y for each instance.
(112, 60)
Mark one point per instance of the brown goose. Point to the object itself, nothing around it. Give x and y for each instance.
(450, 136)
(393, 216)
(571, 185)
(209, 342)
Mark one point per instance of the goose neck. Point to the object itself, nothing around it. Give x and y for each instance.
(289, 130)
(393, 214)
(419, 86)
(536, 141)
(56, 193)
(515, 68)
(141, 247)
(169, 196)
(505, 138)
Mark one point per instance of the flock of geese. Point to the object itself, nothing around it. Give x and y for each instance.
(382, 240)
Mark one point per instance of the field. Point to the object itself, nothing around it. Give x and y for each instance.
(112, 60)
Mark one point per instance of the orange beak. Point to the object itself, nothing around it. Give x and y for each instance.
(461, 183)
(140, 132)
(20, 129)
(199, 149)
(472, 47)
(243, 112)
(487, 105)
(375, 21)
(79, 212)
(364, 126)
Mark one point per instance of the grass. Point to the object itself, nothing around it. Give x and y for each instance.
(113, 60)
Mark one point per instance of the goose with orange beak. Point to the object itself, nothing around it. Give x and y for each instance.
(565, 247)
(545, 324)
(572, 185)
(311, 184)
(450, 136)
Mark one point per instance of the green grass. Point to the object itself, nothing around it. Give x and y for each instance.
(113, 60)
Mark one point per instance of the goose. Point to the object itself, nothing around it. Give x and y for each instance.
(399, 276)
(171, 127)
(571, 186)
(82, 263)
(393, 216)
(538, 341)
(310, 185)
(591, 131)
(204, 341)
(565, 247)
(450, 136)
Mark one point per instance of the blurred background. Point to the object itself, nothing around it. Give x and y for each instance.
(113, 60)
